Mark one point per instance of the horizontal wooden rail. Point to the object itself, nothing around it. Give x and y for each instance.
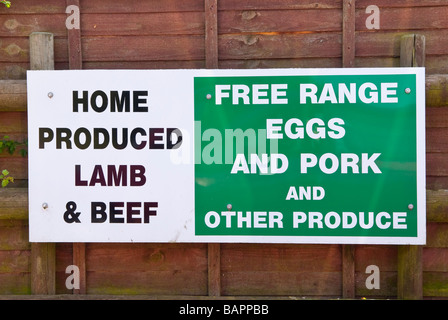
(14, 204)
(437, 90)
(13, 93)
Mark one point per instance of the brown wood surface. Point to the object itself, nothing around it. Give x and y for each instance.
(248, 34)
(348, 61)
(211, 62)
(150, 268)
(43, 255)
(75, 62)
(410, 272)
(264, 21)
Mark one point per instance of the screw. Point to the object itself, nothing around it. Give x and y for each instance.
(208, 96)
(229, 207)
(50, 95)
(410, 206)
(407, 90)
(45, 205)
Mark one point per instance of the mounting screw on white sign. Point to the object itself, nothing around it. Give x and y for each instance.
(50, 95)
(45, 205)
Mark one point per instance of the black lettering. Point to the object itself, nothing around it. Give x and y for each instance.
(77, 101)
(120, 104)
(153, 138)
(98, 212)
(78, 181)
(169, 136)
(124, 142)
(130, 212)
(104, 100)
(88, 138)
(137, 175)
(147, 212)
(63, 135)
(45, 135)
(137, 99)
(96, 138)
(114, 211)
(97, 176)
(116, 178)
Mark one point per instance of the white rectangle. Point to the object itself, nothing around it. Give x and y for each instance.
(72, 183)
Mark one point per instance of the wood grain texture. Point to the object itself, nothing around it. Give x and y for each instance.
(143, 48)
(278, 5)
(348, 33)
(410, 273)
(211, 62)
(150, 268)
(273, 21)
(43, 255)
(348, 61)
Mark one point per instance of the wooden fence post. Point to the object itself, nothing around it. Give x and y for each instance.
(211, 62)
(348, 61)
(410, 271)
(43, 255)
(75, 63)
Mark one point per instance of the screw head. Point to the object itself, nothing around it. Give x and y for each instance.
(208, 96)
(229, 207)
(45, 205)
(410, 206)
(407, 90)
(50, 95)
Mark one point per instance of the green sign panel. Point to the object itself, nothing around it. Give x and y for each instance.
(311, 157)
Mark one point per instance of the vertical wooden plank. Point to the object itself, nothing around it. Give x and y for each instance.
(211, 62)
(211, 34)
(79, 260)
(214, 269)
(74, 40)
(410, 273)
(419, 52)
(43, 255)
(43, 268)
(348, 61)
(348, 271)
(412, 50)
(410, 269)
(75, 62)
(407, 50)
(348, 33)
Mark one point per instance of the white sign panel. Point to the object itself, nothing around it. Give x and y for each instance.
(101, 156)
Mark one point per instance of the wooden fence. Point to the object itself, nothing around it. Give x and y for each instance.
(225, 34)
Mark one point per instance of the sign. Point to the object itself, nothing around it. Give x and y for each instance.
(273, 156)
